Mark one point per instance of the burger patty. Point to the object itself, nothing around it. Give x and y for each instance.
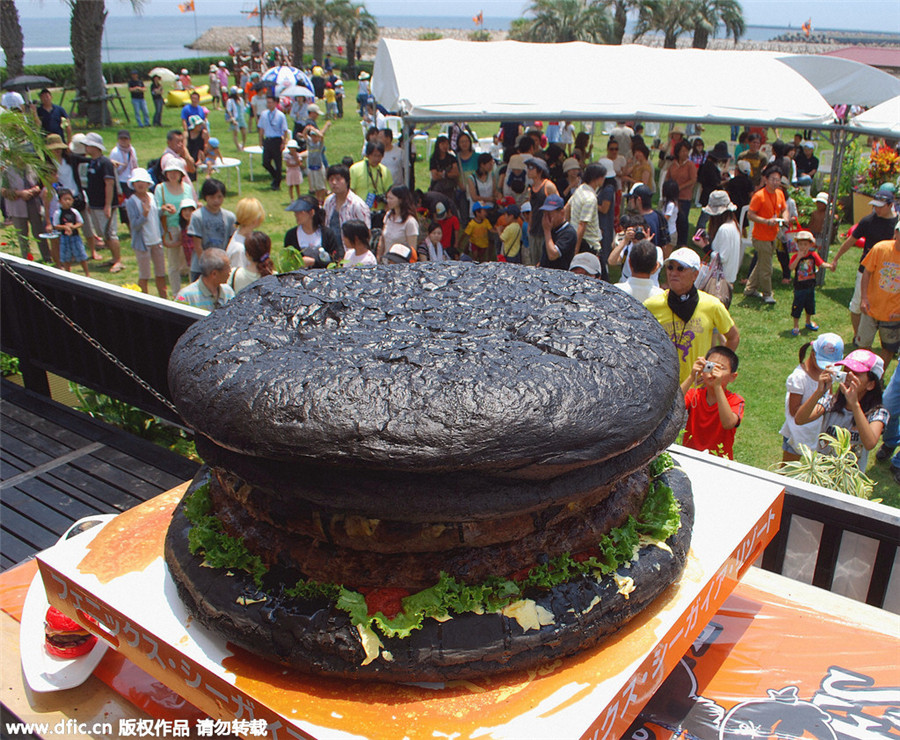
(495, 369)
(301, 488)
(322, 561)
(355, 532)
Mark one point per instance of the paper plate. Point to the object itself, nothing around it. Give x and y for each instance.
(42, 671)
(49, 235)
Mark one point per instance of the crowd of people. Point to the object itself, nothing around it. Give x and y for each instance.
(539, 198)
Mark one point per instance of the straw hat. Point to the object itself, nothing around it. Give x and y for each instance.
(54, 141)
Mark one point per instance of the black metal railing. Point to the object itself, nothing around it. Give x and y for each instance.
(138, 330)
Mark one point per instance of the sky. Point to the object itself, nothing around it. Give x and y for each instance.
(877, 15)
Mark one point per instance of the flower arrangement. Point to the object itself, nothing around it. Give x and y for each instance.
(883, 169)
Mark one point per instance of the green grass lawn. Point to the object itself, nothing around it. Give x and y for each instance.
(768, 352)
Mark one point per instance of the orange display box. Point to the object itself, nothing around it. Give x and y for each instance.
(118, 577)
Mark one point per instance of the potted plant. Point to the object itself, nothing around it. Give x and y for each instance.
(882, 169)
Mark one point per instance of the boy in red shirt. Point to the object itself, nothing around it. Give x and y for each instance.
(714, 412)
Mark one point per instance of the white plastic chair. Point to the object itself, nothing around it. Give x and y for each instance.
(395, 124)
(746, 241)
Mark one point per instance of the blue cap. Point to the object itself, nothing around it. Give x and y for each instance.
(553, 203)
(300, 205)
(214, 142)
(478, 206)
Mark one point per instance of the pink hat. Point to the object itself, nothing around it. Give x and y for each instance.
(863, 361)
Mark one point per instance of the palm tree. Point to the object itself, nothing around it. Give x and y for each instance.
(708, 14)
(566, 20)
(290, 12)
(620, 10)
(11, 38)
(671, 17)
(353, 24)
(86, 38)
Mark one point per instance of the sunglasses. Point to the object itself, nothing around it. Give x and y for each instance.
(675, 266)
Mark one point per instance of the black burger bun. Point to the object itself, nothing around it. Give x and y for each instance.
(508, 371)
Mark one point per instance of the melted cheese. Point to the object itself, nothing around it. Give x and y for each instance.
(594, 602)
(370, 643)
(529, 614)
(646, 539)
(625, 584)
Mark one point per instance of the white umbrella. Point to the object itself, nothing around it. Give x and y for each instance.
(297, 91)
(166, 75)
(284, 77)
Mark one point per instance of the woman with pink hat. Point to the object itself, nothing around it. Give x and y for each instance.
(849, 395)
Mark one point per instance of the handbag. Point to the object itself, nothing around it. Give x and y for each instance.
(711, 279)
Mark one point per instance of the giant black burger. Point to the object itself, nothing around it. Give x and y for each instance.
(427, 472)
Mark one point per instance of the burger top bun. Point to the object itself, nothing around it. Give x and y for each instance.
(57, 622)
(512, 371)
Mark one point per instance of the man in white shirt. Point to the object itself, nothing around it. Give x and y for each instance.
(273, 138)
(393, 155)
(643, 260)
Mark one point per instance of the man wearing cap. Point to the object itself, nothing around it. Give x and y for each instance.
(559, 238)
(582, 211)
(53, 117)
(816, 222)
(138, 99)
(540, 189)
(587, 264)
(878, 226)
(12, 100)
(371, 180)
(880, 297)
(101, 191)
(273, 138)
(657, 225)
(768, 207)
(398, 254)
(688, 315)
(807, 163)
(192, 109)
(343, 204)
(643, 261)
(210, 290)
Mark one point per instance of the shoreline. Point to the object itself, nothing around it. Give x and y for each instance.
(218, 38)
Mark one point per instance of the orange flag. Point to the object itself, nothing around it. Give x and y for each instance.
(187, 7)
(478, 20)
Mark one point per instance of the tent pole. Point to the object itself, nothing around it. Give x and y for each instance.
(841, 137)
(406, 161)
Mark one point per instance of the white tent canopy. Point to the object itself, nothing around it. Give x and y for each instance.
(462, 80)
(882, 120)
(843, 80)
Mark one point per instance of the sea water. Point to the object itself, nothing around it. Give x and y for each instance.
(148, 37)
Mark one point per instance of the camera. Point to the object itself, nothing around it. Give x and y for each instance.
(838, 375)
(639, 234)
(709, 366)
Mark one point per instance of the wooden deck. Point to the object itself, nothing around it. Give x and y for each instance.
(58, 465)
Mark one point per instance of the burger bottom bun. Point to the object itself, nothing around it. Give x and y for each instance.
(315, 637)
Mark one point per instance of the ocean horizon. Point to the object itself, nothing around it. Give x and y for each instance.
(151, 38)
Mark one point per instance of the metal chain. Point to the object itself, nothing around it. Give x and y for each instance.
(90, 340)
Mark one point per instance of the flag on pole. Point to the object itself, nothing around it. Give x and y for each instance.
(478, 20)
(253, 13)
(187, 7)
(807, 27)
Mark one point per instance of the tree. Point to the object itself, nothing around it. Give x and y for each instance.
(353, 24)
(86, 39)
(565, 20)
(709, 14)
(290, 12)
(670, 17)
(11, 38)
(620, 10)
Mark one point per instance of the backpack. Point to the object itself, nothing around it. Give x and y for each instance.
(516, 180)
(154, 170)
